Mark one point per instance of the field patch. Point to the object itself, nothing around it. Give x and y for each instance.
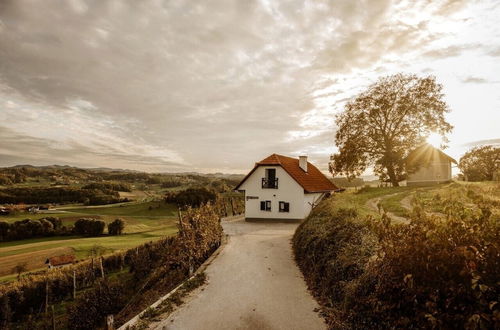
(33, 259)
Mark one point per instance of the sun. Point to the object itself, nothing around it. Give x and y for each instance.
(435, 140)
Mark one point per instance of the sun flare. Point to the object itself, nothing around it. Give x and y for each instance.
(435, 140)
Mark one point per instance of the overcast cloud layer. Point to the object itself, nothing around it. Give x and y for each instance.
(217, 85)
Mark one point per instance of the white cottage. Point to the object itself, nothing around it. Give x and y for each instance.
(283, 188)
(427, 165)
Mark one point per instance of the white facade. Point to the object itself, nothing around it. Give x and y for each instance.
(288, 191)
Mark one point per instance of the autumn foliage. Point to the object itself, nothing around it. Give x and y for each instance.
(434, 272)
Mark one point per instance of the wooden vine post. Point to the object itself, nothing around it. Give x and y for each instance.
(102, 268)
(74, 284)
(46, 295)
(181, 225)
(232, 207)
(110, 322)
(53, 318)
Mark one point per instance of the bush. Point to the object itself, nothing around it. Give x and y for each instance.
(116, 227)
(430, 273)
(89, 227)
(91, 308)
(332, 249)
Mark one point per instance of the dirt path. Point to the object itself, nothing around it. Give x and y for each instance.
(406, 202)
(253, 284)
(373, 202)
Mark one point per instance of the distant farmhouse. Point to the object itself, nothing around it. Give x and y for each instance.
(428, 166)
(60, 261)
(283, 188)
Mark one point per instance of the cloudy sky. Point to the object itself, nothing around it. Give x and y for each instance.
(217, 85)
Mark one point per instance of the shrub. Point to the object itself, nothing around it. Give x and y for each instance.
(91, 308)
(89, 227)
(332, 249)
(434, 272)
(116, 227)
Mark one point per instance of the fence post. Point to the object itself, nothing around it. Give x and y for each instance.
(53, 318)
(46, 295)
(110, 322)
(74, 284)
(232, 207)
(181, 225)
(102, 268)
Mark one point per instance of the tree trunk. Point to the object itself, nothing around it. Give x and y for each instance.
(392, 176)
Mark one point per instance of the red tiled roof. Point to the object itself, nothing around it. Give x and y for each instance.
(312, 180)
(61, 260)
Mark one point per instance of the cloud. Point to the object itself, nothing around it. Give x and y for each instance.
(492, 142)
(163, 85)
(475, 80)
(450, 51)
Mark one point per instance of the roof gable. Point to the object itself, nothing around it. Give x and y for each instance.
(426, 153)
(311, 181)
(61, 260)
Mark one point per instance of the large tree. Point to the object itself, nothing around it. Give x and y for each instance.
(480, 163)
(382, 124)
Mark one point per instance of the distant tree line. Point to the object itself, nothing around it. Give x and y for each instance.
(29, 228)
(51, 226)
(193, 197)
(38, 195)
(115, 186)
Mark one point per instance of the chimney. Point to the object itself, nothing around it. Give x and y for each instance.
(303, 163)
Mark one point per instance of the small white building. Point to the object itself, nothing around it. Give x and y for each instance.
(427, 165)
(283, 188)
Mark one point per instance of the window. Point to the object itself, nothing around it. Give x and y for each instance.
(270, 181)
(265, 205)
(284, 207)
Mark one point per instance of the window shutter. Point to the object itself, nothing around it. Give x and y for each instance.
(287, 207)
(262, 206)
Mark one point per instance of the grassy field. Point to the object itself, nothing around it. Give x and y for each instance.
(145, 221)
(397, 200)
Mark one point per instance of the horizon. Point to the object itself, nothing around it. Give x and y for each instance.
(166, 88)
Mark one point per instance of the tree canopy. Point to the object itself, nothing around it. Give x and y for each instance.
(480, 163)
(383, 124)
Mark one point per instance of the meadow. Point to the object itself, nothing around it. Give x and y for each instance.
(145, 221)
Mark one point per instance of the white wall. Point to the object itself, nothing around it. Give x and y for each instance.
(311, 200)
(437, 171)
(288, 191)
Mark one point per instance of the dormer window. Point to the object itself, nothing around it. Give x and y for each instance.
(270, 181)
